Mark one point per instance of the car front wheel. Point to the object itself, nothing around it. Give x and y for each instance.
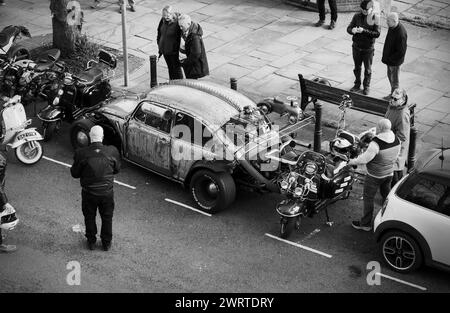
(212, 191)
(400, 252)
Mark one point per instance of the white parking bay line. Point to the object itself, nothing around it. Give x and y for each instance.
(187, 207)
(68, 165)
(300, 246)
(401, 281)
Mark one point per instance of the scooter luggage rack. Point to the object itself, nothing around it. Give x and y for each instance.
(285, 131)
(21, 126)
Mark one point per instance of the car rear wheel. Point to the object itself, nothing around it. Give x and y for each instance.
(212, 191)
(400, 252)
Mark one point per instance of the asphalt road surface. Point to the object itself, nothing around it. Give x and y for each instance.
(160, 246)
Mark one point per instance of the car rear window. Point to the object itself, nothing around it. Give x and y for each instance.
(426, 193)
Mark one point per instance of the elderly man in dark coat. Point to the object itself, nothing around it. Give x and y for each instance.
(394, 49)
(196, 64)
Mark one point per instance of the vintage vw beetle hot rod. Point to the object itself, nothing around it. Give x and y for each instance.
(206, 136)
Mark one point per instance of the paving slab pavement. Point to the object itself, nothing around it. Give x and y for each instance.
(266, 44)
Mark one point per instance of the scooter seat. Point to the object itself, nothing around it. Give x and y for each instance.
(6, 34)
(90, 76)
(48, 55)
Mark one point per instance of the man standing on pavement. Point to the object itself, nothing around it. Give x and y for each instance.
(168, 39)
(4, 204)
(96, 165)
(379, 159)
(394, 49)
(364, 36)
(398, 114)
(333, 9)
(196, 64)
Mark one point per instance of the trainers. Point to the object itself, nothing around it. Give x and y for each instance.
(7, 248)
(132, 9)
(366, 91)
(357, 225)
(354, 88)
(332, 25)
(319, 23)
(106, 246)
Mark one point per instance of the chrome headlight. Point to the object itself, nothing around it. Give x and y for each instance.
(284, 184)
(310, 168)
(298, 191)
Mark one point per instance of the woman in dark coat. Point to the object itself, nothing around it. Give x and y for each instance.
(196, 64)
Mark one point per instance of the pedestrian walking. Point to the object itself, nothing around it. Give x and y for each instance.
(196, 64)
(379, 159)
(7, 220)
(333, 9)
(168, 39)
(398, 114)
(394, 50)
(364, 36)
(96, 165)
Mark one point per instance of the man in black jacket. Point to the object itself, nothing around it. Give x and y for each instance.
(4, 204)
(168, 39)
(364, 36)
(394, 49)
(96, 165)
(196, 64)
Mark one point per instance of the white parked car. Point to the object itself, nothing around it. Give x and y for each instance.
(413, 226)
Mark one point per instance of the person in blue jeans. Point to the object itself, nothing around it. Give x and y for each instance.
(379, 159)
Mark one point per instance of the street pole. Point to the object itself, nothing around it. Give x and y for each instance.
(124, 41)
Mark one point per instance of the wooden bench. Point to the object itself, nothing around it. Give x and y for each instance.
(313, 90)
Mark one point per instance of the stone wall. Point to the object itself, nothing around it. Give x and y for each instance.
(342, 5)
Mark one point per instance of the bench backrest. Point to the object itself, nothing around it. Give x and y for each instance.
(314, 90)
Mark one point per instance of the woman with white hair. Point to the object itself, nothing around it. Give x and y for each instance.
(196, 64)
(379, 159)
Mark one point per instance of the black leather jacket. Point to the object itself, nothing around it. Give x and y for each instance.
(3, 197)
(366, 39)
(96, 165)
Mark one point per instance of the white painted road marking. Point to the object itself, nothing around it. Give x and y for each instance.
(188, 207)
(68, 165)
(402, 281)
(300, 246)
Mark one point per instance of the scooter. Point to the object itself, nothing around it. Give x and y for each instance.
(79, 94)
(10, 35)
(25, 77)
(318, 180)
(16, 135)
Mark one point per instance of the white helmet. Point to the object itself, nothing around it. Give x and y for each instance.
(8, 219)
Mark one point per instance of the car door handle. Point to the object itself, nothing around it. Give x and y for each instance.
(164, 140)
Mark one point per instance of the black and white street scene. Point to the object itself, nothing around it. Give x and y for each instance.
(225, 146)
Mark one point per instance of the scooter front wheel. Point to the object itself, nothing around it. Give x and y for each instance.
(48, 128)
(284, 228)
(30, 152)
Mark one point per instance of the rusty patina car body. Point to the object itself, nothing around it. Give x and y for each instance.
(208, 137)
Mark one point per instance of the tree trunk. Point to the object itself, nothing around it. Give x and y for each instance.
(66, 23)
